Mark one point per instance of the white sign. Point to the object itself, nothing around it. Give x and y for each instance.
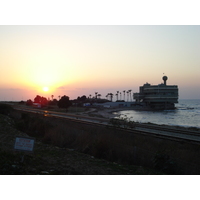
(24, 144)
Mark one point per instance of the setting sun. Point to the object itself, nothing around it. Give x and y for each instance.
(45, 89)
(81, 60)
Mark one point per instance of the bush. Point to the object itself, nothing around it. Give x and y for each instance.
(164, 163)
(5, 109)
(9, 164)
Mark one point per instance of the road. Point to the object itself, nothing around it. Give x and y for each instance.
(154, 130)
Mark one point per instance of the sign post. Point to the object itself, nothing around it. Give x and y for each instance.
(24, 144)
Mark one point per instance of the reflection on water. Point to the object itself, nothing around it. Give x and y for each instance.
(186, 114)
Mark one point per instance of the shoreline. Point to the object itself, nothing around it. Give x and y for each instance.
(109, 113)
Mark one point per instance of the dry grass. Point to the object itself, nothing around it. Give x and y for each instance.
(113, 144)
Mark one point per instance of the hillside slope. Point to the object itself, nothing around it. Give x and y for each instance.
(49, 159)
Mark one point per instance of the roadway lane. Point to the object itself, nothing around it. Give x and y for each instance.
(65, 115)
(102, 121)
(170, 134)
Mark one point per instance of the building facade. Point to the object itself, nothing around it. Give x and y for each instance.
(161, 96)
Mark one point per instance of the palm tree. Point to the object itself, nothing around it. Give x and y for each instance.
(117, 96)
(96, 94)
(59, 97)
(120, 96)
(124, 94)
(108, 95)
(99, 96)
(52, 97)
(127, 95)
(111, 96)
(130, 95)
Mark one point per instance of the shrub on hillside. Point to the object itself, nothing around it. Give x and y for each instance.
(5, 109)
(164, 163)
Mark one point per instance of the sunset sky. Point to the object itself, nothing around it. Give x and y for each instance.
(81, 60)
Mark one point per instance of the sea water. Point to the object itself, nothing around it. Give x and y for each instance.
(187, 114)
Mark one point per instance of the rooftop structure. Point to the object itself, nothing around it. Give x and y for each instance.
(161, 96)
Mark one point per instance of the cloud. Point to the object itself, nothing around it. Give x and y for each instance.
(61, 88)
(81, 88)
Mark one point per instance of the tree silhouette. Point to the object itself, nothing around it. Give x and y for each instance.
(99, 96)
(82, 99)
(124, 94)
(111, 96)
(108, 95)
(117, 96)
(41, 100)
(64, 102)
(130, 95)
(29, 102)
(127, 95)
(96, 94)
